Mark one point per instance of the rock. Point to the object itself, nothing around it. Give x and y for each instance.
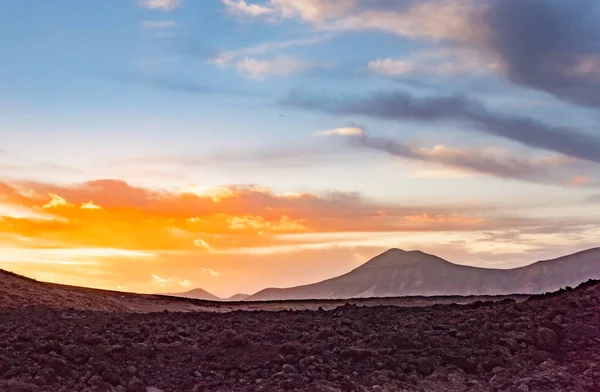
(136, 385)
(460, 362)
(558, 319)
(231, 339)
(95, 380)
(523, 326)
(290, 348)
(18, 386)
(425, 367)
(60, 366)
(500, 383)
(447, 347)
(546, 339)
(287, 368)
(355, 353)
(111, 376)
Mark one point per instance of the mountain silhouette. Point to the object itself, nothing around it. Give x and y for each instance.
(414, 273)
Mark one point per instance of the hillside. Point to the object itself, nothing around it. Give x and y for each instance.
(18, 291)
(414, 273)
(237, 297)
(197, 294)
(204, 295)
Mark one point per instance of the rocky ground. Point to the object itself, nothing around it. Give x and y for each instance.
(547, 343)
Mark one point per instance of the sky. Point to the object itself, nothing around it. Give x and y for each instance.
(163, 145)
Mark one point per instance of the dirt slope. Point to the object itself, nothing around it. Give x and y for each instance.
(18, 291)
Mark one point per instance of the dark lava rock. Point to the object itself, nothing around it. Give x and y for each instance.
(426, 367)
(230, 338)
(18, 386)
(355, 353)
(460, 362)
(287, 368)
(136, 385)
(546, 339)
(111, 376)
(487, 347)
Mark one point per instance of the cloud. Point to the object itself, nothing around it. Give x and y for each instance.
(555, 169)
(162, 5)
(431, 19)
(278, 66)
(310, 10)
(90, 206)
(443, 62)
(56, 201)
(170, 282)
(199, 243)
(425, 218)
(246, 62)
(401, 106)
(227, 57)
(210, 271)
(240, 7)
(351, 131)
(221, 219)
(285, 224)
(593, 199)
(550, 46)
(578, 180)
(187, 283)
(158, 24)
(391, 66)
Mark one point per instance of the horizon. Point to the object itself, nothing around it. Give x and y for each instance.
(249, 294)
(167, 145)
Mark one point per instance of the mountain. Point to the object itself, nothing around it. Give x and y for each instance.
(237, 297)
(397, 273)
(197, 294)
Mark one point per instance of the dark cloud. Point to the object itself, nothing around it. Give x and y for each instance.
(544, 44)
(402, 106)
(550, 171)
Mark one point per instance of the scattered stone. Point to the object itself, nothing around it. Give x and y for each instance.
(546, 339)
(136, 385)
(426, 367)
(18, 386)
(485, 347)
(287, 368)
(111, 376)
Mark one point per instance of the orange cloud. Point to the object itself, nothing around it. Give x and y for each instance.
(579, 180)
(117, 215)
(56, 201)
(426, 219)
(90, 206)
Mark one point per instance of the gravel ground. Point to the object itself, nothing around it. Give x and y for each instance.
(547, 343)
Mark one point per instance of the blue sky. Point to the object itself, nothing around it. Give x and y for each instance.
(432, 102)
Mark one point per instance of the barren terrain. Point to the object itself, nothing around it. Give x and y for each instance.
(546, 343)
(18, 291)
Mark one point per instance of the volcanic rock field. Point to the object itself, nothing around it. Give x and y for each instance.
(547, 343)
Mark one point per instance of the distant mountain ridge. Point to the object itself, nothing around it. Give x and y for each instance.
(202, 294)
(396, 273)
